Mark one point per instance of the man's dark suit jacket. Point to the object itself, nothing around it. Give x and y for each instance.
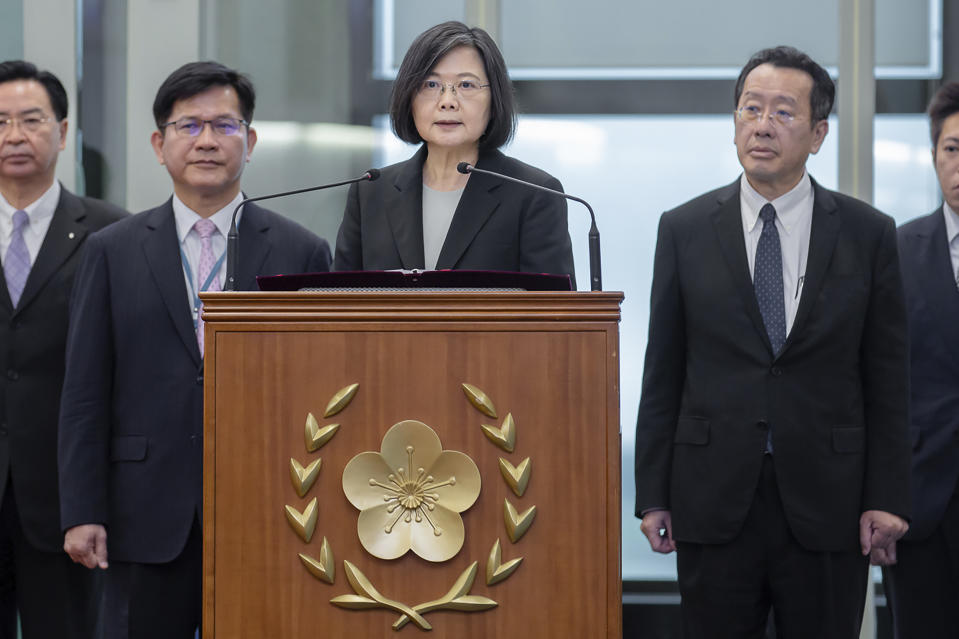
(835, 397)
(33, 338)
(932, 302)
(131, 420)
(497, 225)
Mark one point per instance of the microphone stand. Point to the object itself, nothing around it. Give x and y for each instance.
(595, 264)
(232, 238)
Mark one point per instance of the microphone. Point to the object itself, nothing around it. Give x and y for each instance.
(232, 238)
(595, 265)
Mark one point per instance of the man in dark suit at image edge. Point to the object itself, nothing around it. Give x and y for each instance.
(923, 584)
(131, 422)
(771, 448)
(43, 229)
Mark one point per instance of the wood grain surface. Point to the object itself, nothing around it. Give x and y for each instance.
(550, 360)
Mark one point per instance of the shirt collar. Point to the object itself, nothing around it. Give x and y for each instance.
(952, 222)
(187, 217)
(43, 207)
(787, 205)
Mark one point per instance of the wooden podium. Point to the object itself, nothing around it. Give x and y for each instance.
(545, 364)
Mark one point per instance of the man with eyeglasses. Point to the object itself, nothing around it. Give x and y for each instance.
(771, 448)
(43, 229)
(131, 424)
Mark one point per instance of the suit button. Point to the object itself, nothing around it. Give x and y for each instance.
(763, 424)
(776, 371)
(3, 428)
(199, 380)
(13, 375)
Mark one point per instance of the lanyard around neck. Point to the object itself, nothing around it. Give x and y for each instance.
(194, 294)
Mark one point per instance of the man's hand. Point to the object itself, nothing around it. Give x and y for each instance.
(87, 545)
(658, 527)
(883, 556)
(879, 530)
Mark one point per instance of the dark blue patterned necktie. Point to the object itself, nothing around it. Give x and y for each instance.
(768, 279)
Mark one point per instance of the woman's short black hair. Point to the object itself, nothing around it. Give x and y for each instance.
(422, 57)
(193, 79)
(19, 70)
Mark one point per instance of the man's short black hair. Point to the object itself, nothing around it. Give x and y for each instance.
(19, 70)
(194, 78)
(943, 104)
(422, 57)
(823, 89)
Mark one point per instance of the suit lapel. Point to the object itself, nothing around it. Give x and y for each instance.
(475, 206)
(160, 246)
(253, 246)
(64, 236)
(404, 211)
(728, 222)
(5, 303)
(938, 280)
(822, 242)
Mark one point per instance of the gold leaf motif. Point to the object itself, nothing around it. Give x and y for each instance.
(471, 603)
(303, 478)
(460, 587)
(496, 570)
(315, 436)
(355, 602)
(505, 436)
(371, 598)
(340, 400)
(480, 400)
(517, 524)
(322, 568)
(365, 596)
(456, 593)
(463, 583)
(517, 477)
(303, 524)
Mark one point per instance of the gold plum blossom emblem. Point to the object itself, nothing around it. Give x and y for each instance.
(411, 493)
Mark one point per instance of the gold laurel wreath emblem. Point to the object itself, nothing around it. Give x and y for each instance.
(303, 477)
(366, 596)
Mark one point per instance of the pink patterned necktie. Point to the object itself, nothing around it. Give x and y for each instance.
(16, 264)
(205, 229)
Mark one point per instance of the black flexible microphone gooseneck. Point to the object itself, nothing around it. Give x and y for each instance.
(595, 264)
(232, 238)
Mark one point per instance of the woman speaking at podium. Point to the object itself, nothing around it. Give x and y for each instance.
(453, 94)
